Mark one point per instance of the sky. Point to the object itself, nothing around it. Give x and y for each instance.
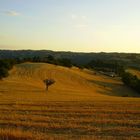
(70, 25)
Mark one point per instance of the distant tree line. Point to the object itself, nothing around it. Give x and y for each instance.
(7, 64)
(129, 59)
(48, 59)
(106, 66)
(97, 64)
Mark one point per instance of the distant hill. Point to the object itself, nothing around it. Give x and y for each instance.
(130, 59)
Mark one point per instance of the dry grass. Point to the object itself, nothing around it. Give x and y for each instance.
(134, 72)
(16, 134)
(99, 119)
(74, 107)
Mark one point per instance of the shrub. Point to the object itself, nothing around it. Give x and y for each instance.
(3, 72)
(131, 81)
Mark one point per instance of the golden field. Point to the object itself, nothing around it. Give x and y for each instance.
(80, 105)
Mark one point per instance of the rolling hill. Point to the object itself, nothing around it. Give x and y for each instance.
(82, 104)
(26, 80)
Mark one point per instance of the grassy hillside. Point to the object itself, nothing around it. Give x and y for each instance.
(77, 106)
(134, 72)
(71, 84)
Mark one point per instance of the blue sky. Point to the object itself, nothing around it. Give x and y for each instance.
(70, 25)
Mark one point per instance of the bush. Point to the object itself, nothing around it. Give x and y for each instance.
(6, 65)
(131, 81)
(3, 72)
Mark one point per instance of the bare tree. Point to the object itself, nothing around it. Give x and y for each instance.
(48, 82)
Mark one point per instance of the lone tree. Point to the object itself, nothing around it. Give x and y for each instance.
(48, 82)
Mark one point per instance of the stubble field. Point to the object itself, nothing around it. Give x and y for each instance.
(80, 105)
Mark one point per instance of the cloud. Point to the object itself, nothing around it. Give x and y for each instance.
(12, 13)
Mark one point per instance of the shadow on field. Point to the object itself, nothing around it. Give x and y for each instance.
(115, 89)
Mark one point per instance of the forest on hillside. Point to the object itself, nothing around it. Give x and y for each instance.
(127, 59)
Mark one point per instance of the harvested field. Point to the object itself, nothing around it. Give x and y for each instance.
(73, 108)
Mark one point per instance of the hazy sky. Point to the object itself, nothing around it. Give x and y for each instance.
(70, 25)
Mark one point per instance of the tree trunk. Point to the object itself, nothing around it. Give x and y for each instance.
(46, 87)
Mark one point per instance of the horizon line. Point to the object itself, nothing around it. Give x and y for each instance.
(67, 51)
